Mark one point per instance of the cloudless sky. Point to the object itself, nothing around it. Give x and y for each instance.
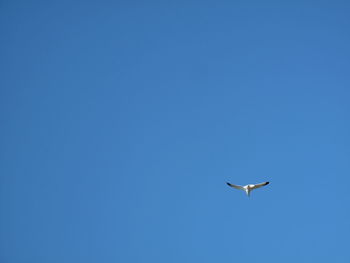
(121, 121)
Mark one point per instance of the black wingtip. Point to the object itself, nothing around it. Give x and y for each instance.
(267, 183)
(228, 184)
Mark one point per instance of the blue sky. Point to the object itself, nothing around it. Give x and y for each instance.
(121, 121)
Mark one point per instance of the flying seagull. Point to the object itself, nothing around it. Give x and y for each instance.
(249, 187)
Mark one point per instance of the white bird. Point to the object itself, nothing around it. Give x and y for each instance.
(249, 187)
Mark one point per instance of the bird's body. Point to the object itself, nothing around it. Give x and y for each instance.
(248, 188)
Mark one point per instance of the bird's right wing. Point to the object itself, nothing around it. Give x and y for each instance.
(260, 185)
(235, 186)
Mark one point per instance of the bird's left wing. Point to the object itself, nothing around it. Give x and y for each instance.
(235, 186)
(260, 185)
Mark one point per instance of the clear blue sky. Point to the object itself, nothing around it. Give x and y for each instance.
(121, 121)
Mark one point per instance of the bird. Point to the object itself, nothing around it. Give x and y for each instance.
(249, 187)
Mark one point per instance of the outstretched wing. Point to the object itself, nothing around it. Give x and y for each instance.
(235, 186)
(260, 185)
